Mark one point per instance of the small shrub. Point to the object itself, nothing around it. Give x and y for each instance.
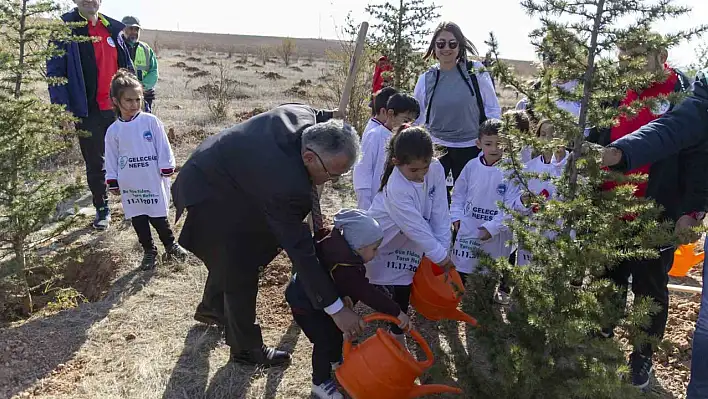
(220, 93)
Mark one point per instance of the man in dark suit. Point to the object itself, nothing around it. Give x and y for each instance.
(247, 191)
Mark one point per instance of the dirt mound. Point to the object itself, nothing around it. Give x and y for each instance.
(192, 135)
(249, 114)
(254, 65)
(296, 91)
(192, 69)
(212, 63)
(304, 83)
(277, 273)
(272, 75)
(200, 74)
(296, 69)
(307, 64)
(179, 65)
(194, 59)
(240, 68)
(239, 83)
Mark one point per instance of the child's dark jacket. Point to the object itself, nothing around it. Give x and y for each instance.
(348, 272)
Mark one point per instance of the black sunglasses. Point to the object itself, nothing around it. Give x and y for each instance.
(441, 44)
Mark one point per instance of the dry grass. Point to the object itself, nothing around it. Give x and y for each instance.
(138, 338)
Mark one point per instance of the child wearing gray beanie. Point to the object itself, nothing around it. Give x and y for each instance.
(359, 229)
(343, 252)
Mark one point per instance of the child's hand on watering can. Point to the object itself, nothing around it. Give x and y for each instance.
(405, 321)
(447, 265)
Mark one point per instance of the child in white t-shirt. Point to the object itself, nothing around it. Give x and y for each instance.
(400, 108)
(411, 207)
(475, 214)
(139, 161)
(379, 113)
(551, 162)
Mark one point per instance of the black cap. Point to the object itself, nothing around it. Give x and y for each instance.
(131, 21)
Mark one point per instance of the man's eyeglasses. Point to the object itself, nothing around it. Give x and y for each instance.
(442, 43)
(330, 176)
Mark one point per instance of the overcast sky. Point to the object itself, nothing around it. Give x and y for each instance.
(320, 18)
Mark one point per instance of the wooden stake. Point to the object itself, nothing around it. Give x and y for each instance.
(353, 68)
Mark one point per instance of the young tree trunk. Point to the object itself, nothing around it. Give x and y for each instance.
(19, 248)
(587, 89)
(22, 42)
(399, 67)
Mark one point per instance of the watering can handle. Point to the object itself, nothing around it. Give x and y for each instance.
(429, 358)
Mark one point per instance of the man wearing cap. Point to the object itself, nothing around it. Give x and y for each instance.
(87, 69)
(143, 58)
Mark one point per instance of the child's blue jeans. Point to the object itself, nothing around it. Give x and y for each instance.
(698, 387)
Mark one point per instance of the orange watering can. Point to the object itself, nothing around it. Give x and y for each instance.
(382, 368)
(436, 297)
(684, 259)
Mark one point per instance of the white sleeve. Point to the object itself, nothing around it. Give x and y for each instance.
(401, 208)
(419, 94)
(364, 198)
(111, 154)
(440, 218)
(489, 95)
(165, 157)
(363, 174)
(459, 193)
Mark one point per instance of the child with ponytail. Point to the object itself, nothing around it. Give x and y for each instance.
(411, 207)
(138, 164)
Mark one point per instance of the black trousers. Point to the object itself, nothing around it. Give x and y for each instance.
(455, 159)
(650, 278)
(149, 97)
(319, 328)
(93, 150)
(401, 294)
(142, 223)
(233, 258)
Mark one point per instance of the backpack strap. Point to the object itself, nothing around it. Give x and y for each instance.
(474, 88)
(432, 94)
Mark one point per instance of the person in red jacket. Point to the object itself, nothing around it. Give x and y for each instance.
(382, 65)
(649, 276)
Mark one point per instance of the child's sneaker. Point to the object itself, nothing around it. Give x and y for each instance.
(149, 260)
(176, 252)
(502, 297)
(326, 390)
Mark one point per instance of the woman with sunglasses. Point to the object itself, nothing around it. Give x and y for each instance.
(455, 97)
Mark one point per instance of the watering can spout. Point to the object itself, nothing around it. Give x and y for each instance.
(462, 316)
(423, 390)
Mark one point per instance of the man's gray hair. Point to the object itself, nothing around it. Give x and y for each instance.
(331, 138)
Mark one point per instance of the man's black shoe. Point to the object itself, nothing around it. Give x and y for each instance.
(208, 317)
(264, 357)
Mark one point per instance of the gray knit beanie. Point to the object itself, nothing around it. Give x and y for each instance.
(358, 228)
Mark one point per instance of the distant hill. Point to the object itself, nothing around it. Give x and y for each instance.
(315, 48)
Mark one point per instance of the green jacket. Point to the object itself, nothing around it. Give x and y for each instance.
(145, 63)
